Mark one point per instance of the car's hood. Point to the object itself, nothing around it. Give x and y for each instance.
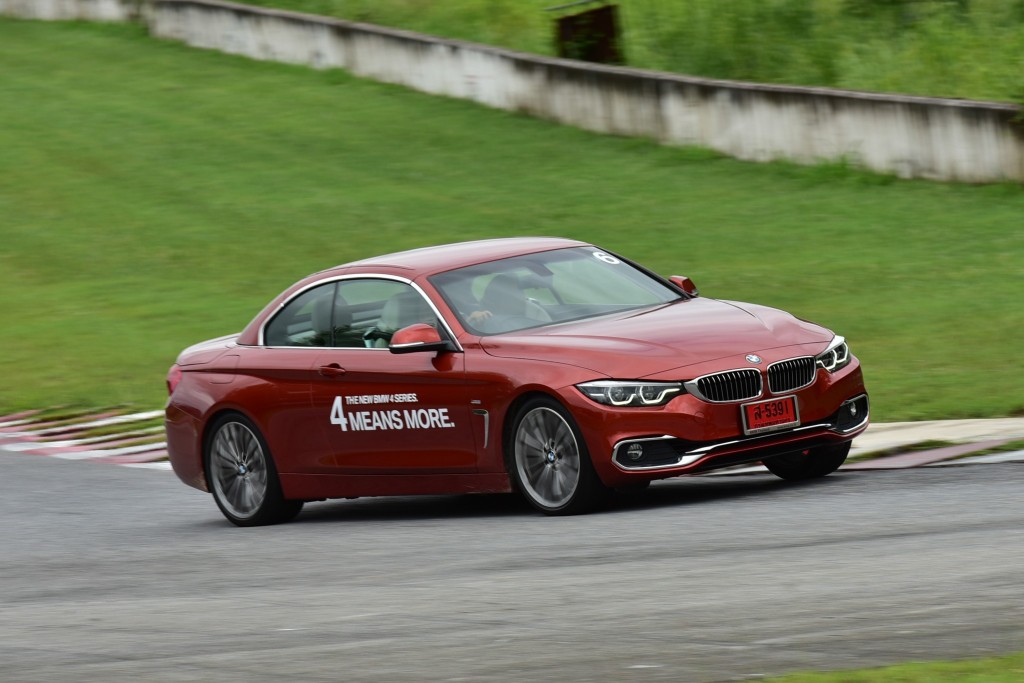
(204, 352)
(638, 344)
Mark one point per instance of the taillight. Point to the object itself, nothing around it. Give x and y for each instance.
(173, 377)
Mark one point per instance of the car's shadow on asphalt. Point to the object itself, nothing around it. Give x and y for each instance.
(685, 491)
(398, 508)
(689, 491)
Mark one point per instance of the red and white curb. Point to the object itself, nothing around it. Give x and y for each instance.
(73, 438)
(135, 444)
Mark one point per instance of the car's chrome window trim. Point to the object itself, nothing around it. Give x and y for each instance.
(353, 276)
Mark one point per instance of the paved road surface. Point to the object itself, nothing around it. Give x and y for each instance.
(115, 574)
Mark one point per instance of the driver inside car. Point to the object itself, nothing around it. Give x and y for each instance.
(504, 300)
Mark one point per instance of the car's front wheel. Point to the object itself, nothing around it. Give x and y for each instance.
(549, 462)
(815, 462)
(242, 475)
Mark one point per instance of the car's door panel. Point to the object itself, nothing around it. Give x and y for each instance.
(387, 413)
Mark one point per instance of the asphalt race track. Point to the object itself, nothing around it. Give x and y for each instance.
(116, 574)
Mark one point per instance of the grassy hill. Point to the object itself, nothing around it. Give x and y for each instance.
(153, 195)
(947, 48)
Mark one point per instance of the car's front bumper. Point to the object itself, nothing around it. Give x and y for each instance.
(689, 435)
(670, 453)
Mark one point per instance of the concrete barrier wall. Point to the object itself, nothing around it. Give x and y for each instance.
(913, 137)
(93, 10)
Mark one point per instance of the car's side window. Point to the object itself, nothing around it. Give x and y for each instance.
(361, 313)
(379, 308)
(306, 320)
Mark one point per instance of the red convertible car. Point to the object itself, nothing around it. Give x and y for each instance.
(545, 366)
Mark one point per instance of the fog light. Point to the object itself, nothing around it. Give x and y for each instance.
(853, 410)
(635, 451)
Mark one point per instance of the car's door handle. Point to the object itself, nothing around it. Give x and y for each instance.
(332, 370)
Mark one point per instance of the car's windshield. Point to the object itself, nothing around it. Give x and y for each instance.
(547, 287)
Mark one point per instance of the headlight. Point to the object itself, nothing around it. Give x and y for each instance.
(624, 393)
(836, 356)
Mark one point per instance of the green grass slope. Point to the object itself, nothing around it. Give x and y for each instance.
(152, 196)
(1007, 669)
(945, 48)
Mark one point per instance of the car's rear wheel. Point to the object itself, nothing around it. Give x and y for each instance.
(242, 475)
(809, 464)
(549, 462)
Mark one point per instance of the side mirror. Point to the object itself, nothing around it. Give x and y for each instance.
(416, 338)
(686, 284)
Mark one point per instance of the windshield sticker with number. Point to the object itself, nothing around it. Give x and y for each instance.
(607, 258)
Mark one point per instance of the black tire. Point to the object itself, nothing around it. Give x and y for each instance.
(814, 463)
(548, 460)
(242, 476)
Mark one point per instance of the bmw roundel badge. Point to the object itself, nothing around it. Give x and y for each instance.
(753, 358)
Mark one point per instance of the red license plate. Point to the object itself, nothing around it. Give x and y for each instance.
(768, 416)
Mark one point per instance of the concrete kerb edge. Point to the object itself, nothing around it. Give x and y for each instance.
(34, 429)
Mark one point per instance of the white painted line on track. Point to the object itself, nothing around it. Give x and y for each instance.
(113, 452)
(70, 443)
(21, 446)
(162, 465)
(105, 422)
